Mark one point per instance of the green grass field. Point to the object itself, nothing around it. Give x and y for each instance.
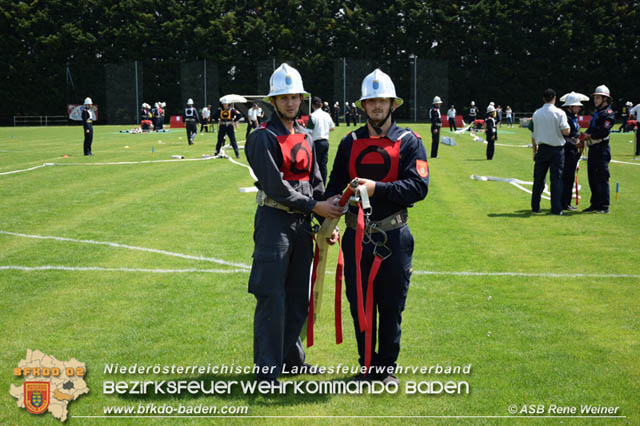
(544, 308)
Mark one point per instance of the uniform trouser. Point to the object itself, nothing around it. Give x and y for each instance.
(435, 140)
(192, 130)
(548, 158)
(452, 124)
(638, 139)
(204, 125)
(571, 158)
(322, 154)
(227, 129)
(88, 140)
(390, 293)
(598, 169)
(491, 148)
(280, 282)
(160, 123)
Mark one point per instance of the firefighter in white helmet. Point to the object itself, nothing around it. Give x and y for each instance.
(436, 125)
(572, 148)
(290, 186)
(191, 120)
(391, 165)
(87, 124)
(624, 113)
(634, 114)
(473, 113)
(597, 139)
(491, 131)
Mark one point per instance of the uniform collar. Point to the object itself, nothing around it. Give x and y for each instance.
(279, 128)
(393, 133)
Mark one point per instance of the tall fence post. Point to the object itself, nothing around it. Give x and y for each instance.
(135, 64)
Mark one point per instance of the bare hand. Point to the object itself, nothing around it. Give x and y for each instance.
(334, 237)
(369, 184)
(88, 131)
(328, 209)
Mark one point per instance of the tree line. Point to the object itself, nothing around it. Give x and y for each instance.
(54, 52)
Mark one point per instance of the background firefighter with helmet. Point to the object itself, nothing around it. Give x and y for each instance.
(391, 163)
(283, 158)
(597, 139)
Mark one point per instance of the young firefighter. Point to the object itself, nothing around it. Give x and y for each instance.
(191, 120)
(597, 139)
(391, 163)
(228, 118)
(436, 125)
(282, 156)
(491, 131)
(87, 125)
(571, 107)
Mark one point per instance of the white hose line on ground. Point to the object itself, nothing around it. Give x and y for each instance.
(513, 181)
(118, 245)
(480, 140)
(238, 163)
(26, 170)
(233, 271)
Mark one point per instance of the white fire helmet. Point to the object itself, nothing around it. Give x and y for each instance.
(189, 101)
(88, 101)
(629, 104)
(473, 103)
(285, 80)
(378, 85)
(572, 99)
(491, 108)
(437, 100)
(157, 105)
(602, 90)
(224, 100)
(492, 103)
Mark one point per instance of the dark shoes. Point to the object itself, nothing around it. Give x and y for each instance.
(589, 209)
(559, 214)
(571, 208)
(603, 211)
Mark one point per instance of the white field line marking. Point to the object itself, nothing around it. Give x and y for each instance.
(625, 162)
(107, 243)
(101, 269)
(513, 181)
(233, 271)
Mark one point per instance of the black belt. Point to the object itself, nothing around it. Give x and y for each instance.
(389, 223)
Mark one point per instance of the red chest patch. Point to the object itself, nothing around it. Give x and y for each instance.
(375, 159)
(297, 157)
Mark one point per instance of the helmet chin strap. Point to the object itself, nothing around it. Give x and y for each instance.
(378, 126)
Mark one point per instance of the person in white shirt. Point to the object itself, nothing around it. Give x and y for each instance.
(550, 125)
(255, 115)
(451, 115)
(206, 115)
(635, 113)
(320, 124)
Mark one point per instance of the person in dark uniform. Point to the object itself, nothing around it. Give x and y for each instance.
(191, 120)
(597, 139)
(572, 152)
(161, 112)
(436, 126)
(336, 113)
(391, 163)
(155, 115)
(282, 156)
(491, 131)
(624, 113)
(227, 117)
(473, 113)
(347, 114)
(87, 125)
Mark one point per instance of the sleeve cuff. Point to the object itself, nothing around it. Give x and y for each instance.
(311, 204)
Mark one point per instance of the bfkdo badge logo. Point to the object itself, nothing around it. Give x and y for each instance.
(37, 396)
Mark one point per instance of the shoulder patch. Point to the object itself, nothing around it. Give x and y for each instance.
(422, 168)
(416, 134)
